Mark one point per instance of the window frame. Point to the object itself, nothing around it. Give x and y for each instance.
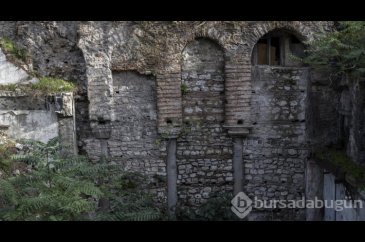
(268, 51)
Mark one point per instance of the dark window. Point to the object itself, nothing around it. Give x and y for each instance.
(268, 51)
(274, 51)
(296, 47)
(262, 52)
(277, 49)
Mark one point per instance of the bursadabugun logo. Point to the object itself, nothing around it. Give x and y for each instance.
(242, 205)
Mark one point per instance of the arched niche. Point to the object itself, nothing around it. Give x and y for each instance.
(202, 81)
(204, 150)
(279, 47)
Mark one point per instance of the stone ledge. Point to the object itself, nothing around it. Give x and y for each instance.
(12, 94)
(238, 130)
(4, 127)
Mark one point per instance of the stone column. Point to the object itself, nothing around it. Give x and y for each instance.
(329, 193)
(237, 165)
(102, 132)
(171, 178)
(238, 132)
(65, 109)
(314, 189)
(104, 148)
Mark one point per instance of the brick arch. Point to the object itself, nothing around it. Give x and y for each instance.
(300, 31)
(212, 41)
(203, 35)
(119, 58)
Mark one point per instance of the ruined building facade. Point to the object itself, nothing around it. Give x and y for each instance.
(200, 107)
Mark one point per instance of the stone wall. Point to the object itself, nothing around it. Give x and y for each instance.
(214, 58)
(275, 152)
(133, 140)
(356, 130)
(24, 124)
(23, 116)
(204, 151)
(131, 101)
(53, 51)
(322, 111)
(37, 117)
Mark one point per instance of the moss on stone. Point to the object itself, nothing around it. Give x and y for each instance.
(10, 48)
(9, 87)
(45, 86)
(340, 160)
(184, 88)
(49, 85)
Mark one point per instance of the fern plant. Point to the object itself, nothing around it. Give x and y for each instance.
(218, 207)
(58, 188)
(129, 199)
(71, 188)
(5, 161)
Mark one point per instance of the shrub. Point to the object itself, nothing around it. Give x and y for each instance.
(341, 52)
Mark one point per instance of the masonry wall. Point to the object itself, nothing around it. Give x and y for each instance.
(204, 151)
(215, 59)
(29, 124)
(146, 62)
(134, 142)
(21, 115)
(53, 51)
(134, 131)
(275, 152)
